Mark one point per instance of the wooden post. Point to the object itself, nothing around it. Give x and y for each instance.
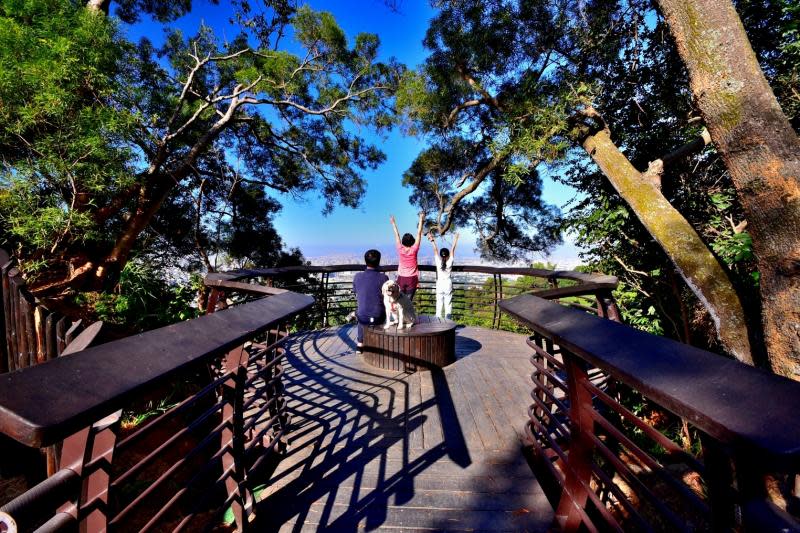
(4, 351)
(495, 303)
(607, 307)
(500, 297)
(578, 470)
(233, 438)
(88, 446)
(725, 514)
(325, 277)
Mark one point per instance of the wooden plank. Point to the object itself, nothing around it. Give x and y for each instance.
(361, 451)
(30, 326)
(71, 333)
(5, 351)
(39, 322)
(50, 336)
(414, 397)
(84, 339)
(61, 330)
(514, 400)
(483, 422)
(23, 357)
(432, 426)
(14, 321)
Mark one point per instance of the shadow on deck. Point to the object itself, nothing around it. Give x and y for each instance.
(374, 449)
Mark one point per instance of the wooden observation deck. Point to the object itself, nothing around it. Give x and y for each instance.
(371, 448)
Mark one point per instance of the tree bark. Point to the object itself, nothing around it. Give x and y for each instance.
(695, 263)
(759, 148)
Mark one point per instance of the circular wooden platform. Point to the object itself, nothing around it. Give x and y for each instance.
(429, 342)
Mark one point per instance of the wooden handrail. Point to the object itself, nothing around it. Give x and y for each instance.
(601, 280)
(720, 396)
(599, 286)
(81, 388)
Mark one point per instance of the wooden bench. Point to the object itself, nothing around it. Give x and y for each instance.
(429, 342)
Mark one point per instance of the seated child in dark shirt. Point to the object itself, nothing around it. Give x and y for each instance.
(367, 287)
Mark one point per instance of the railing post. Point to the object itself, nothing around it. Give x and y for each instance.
(213, 299)
(232, 436)
(275, 386)
(90, 453)
(577, 469)
(325, 276)
(607, 307)
(4, 309)
(720, 475)
(496, 303)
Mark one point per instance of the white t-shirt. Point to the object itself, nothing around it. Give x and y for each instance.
(443, 270)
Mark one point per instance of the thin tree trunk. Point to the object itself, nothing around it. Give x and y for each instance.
(759, 148)
(695, 263)
(114, 262)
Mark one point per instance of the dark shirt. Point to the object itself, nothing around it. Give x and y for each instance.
(367, 286)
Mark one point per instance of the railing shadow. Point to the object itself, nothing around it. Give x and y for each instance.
(360, 454)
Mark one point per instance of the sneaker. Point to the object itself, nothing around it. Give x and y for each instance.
(360, 347)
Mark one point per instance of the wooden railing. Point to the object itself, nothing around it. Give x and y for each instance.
(638, 432)
(32, 333)
(606, 400)
(162, 431)
(477, 290)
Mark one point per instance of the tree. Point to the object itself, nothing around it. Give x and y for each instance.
(489, 96)
(761, 151)
(511, 75)
(201, 126)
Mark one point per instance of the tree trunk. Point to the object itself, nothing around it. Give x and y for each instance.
(145, 211)
(153, 195)
(759, 148)
(696, 264)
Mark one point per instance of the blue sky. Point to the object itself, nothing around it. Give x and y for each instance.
(350, 231)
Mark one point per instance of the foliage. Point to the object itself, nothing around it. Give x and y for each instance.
(144, 300)
(171, 152)
(495, 95)
(504, 78)
(59, 140)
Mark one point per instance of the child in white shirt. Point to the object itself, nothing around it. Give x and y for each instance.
(444, 285)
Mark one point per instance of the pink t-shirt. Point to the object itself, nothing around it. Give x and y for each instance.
(408, 260)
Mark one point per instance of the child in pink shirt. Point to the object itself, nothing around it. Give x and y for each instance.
(407, 249)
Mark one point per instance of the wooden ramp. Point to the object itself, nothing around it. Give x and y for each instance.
(373, 449)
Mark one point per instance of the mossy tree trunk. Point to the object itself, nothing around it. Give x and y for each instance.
(759, 148)
(696, 264)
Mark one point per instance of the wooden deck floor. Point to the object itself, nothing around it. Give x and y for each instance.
(384, 450)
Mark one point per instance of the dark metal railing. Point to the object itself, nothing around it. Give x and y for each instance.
(477, 290)
(672, 439)
(130, 464)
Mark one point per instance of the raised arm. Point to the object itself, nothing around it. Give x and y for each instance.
(455, 242)
(394, 227)
(433, 243)
(419, 227)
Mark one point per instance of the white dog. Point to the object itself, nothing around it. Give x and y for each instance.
(397, 303)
